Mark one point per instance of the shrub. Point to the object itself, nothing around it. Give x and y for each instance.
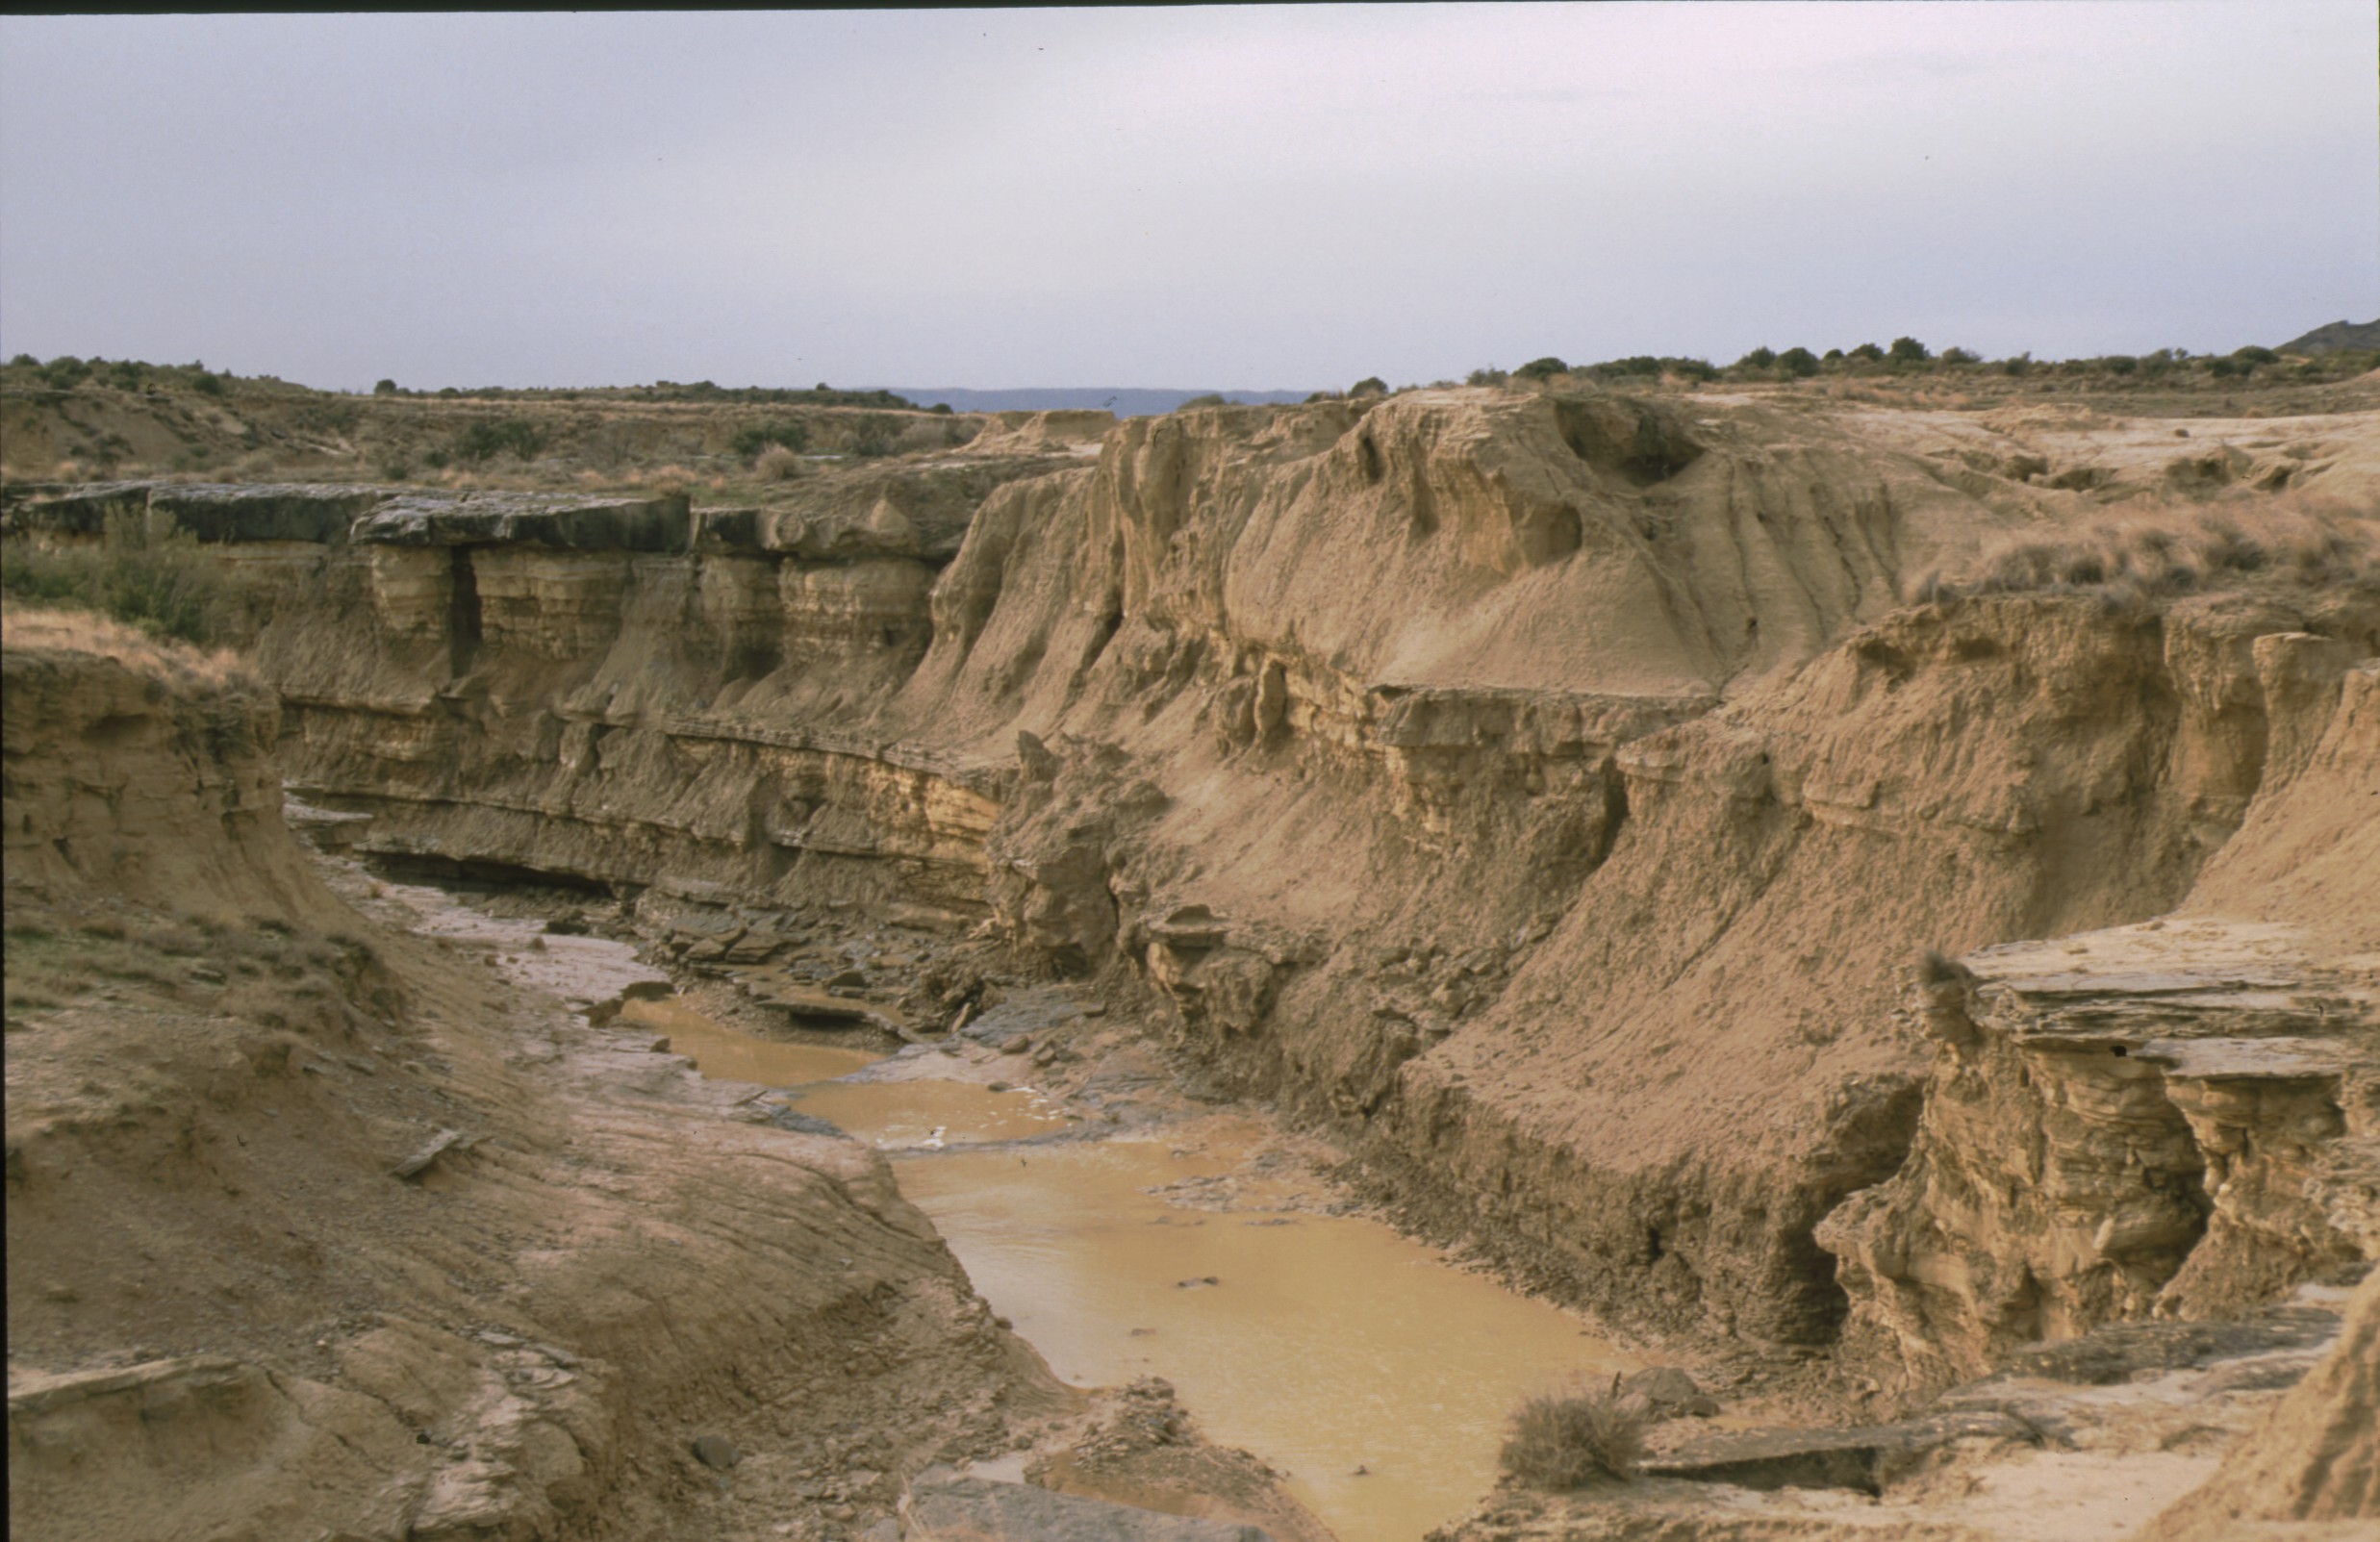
(1369, 386)
(2255, 355)
(1868, 352)
(159, 582)
(2225, 368)
(1489, 376)
(1833, 356)
(872, 434)
(2119, 364)
(1760, 358)
(789, 434)
(2018, 364)
(207, 384)
(486, 440)
(383, 387)
(1957, 355)
(1909, 350)
(1692, 369)
(1545, 368)
(777, 463)
(1799, 361)
(1934, 968)
(1215, 399)
(1561, 1442)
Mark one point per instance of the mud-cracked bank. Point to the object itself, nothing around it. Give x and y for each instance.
(1874, 907)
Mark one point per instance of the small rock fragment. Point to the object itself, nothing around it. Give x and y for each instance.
(717, 1451)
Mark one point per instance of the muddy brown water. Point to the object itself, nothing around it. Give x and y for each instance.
(1367, 1367)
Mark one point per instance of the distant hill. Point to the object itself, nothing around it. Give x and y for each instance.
(2331, 339)
(1125, 401)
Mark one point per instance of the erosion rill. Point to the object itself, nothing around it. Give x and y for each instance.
(1547, 797)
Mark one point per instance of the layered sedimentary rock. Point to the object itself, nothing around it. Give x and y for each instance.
(2181, 1115)
(144, 771)
(1548, 793)
(316, 1230)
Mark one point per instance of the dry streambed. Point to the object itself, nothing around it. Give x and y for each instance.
(1126, 1234)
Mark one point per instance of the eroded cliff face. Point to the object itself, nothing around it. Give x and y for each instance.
(317, 1228)
(2181, 1117)
(1547, 794)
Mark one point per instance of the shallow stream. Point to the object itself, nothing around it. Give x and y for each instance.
(1365, 1366)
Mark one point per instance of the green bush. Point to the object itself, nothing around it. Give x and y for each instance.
(1870, 352)
(1909, 350)
(1545, 368)
(383, 387)
(1489, 376)
(2255, 355)
(1798, 361)
(792, 433)
(485, 441)
(1369, 386)
(161, 583)
(1760, 358)
(1957, 355)
(872, 434)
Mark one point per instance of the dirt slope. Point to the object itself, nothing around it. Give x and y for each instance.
(228, 1316)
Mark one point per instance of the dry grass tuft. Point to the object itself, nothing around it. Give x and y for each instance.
(87, 632)
(777, 463)
(2276, 544)
(1563, 1441)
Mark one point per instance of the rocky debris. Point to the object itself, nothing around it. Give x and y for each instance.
(337, 513)
(1856, 1458)
(420, 1160)
(2122, 1121)
(2118, 1352)
(793, 1119)
(2062, 1444)
(945, 1506)
(298, 512)
(2314, 1462)
(916, 510)
(1030, 1013)
(556, 520)
(1669, 1393)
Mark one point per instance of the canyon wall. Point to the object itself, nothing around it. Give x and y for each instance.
(316, 1229)
(1550, 795)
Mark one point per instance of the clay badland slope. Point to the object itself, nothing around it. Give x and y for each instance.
(236, 1309)
(1549, 792)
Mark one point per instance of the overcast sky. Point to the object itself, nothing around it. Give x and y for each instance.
(1231, 196)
